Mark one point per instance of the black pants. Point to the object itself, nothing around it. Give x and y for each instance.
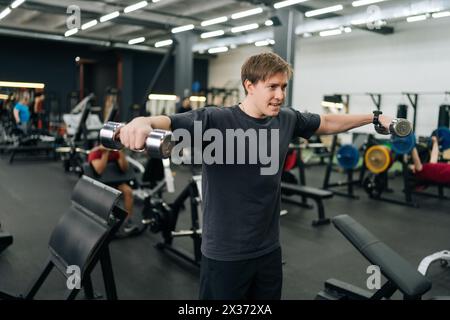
(256, 279)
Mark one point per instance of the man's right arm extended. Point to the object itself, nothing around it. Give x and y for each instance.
(133, 135)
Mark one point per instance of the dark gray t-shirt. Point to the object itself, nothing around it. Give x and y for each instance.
(241, 207)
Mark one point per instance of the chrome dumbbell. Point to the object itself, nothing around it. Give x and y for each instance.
(158, 144)
(399, 127)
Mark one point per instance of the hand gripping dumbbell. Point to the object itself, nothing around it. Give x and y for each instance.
(158, 144)
(398, 127)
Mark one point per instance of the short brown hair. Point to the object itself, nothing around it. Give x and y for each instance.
(263, 65)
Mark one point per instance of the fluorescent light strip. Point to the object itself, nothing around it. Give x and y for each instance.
(5, 13)
(136, 40)
(163, 97)
(183, 28)
(70, 32)
(360, 3)
(3, 96)
(287, 3)
(197, 99)
(212, 34)
(17, 3)
(214, 21)
(89, 24)
(262, 43)
(135, 7)
(218, 50)
(268, 23)
(317, 12)
(417, 18)
(347, 29)
(441, 14)
(359, 22)
(155, 1)
(245, 28)
(31, 85)
(163, 43)
(332, 32)
(246, 13)
(109, 16)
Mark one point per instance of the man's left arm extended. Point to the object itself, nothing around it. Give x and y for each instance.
(336, 123)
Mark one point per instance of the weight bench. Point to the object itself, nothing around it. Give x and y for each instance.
(400, 274)
(318, 195)
(81, 239)
(15, 150)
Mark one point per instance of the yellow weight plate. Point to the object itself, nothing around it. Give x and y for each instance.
(378, 159)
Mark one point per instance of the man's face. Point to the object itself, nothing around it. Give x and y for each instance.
(268, 96)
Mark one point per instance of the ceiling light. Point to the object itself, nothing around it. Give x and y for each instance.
(307, 35)
(332, 32)
(163, 43)
(268, 23)
(287, 3)
(360, 3)
(262, 43)
(183, 28)
(347, 29)
(245, 28)
(4, 96)
(246, 13)
(212, 34)
(70, 32)
(135, 6)
(218, 50)
(136, 40)
(417, 18)
(31, 85)
(441, 14)
(197, 99)
(109, 16)
(317, 12)
(165, 97)
(17, 3)
(214, 21)
(5, 13)
(89, 24)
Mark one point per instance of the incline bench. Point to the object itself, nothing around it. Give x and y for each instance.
(400, 274)
(308, 192)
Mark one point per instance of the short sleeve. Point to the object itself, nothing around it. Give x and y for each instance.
(306, 124)
(186, 120)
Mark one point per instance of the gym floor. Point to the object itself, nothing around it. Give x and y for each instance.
(34, 194)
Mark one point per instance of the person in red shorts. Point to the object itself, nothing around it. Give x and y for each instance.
(99, 158)
(433, 171)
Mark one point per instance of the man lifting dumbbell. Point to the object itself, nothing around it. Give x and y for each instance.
(241, 207)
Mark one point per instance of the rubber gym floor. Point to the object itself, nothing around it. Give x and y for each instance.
(34, 194)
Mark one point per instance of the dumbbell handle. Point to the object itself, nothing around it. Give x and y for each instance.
(158, 144)
(398, 127)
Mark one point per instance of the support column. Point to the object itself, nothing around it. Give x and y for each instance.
(284, 36)
(125, 85)
(184, 63)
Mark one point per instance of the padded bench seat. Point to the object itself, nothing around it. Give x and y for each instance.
(309, 192)
(396, 269)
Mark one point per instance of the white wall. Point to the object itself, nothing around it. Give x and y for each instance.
(415, 58)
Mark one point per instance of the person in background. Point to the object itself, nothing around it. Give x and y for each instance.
(184, 105)
(22, 112)
(99, 157)
(432, 171)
